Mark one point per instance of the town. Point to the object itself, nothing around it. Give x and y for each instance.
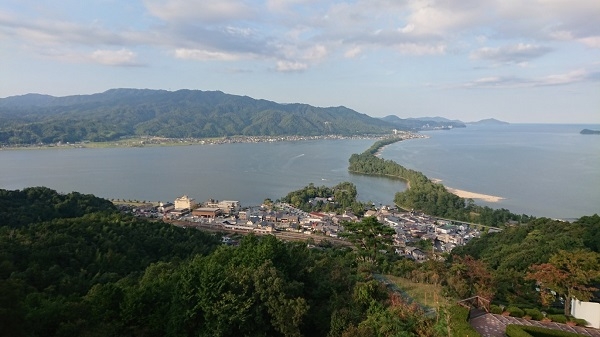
(417, 236)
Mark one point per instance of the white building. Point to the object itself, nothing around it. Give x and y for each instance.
(590, 311)
(185, 202)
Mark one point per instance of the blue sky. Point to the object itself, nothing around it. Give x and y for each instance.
(515, 60)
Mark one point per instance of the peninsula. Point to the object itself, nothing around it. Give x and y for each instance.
(590, 132)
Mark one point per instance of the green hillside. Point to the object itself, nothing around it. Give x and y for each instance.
(72, 265)
(117, 113)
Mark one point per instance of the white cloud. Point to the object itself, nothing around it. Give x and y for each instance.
(515, 54)
(421, 49)
(121, 57)
(591, 41)
(205, 55)
(291, 66)
(307, 32)
(207, 11)
(571, 77)
(286, 5)
(315, 53)
(353, 52)
(407, 29)
(444, 18)
(574, 76)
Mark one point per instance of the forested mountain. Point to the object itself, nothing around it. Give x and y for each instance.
(106, 116)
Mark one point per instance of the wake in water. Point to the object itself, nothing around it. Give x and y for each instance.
(291, 160)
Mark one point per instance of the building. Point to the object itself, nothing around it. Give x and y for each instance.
(207, 212)
(590, 311)
(227, 206)
(185, 202)
(164, 207)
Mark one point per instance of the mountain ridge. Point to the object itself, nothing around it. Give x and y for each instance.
(125, 112)
(424, 123)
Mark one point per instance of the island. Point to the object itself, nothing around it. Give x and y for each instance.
(590, 132)
(490, 121)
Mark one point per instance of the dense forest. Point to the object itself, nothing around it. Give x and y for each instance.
(339, 198)
(116, 113)
(72, 265)
(425, 195)
(516, 253)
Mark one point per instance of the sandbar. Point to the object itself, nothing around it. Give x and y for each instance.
(470, 195)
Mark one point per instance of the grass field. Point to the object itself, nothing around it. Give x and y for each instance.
(453, 315)
(426, 294)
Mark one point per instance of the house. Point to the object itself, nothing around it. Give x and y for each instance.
(446, 229)
(419, 255)
(207, 212)
(286, 217)
(392, 221)
(226, 206)
(184, 202)
(165, 207)
(415, 253)
(370, 213)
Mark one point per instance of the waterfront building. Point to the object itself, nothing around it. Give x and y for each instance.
(185, 202)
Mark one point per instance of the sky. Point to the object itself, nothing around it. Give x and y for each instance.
(521, 61)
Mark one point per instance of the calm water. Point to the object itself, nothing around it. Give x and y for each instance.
(542, 170)
(245, 172)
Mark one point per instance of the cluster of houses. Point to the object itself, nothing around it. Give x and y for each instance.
(410, 228)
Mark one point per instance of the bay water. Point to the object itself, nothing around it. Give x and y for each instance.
(542, 170)
(247, 172)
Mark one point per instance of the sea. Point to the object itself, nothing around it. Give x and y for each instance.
(548, 170)
(539, 169)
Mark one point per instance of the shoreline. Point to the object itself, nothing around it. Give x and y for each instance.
(141, 142)
(470, 195)
(412, 135)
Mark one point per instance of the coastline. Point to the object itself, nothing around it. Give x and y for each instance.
(469, 194)
(411, 135)
(166, 142)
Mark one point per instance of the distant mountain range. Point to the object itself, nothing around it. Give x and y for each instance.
(117, 113)
(122, 113)
(424, 123)
(489, 121)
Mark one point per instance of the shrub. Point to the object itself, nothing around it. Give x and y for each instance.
(459, 326)
(535, 314)
(494, 309)
(579, 321)
(513, 330)
(558, 318)
(515, 311)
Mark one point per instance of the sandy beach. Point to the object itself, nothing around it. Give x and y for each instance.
(470, 195)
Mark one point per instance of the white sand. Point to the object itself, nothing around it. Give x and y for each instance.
(470, 195)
